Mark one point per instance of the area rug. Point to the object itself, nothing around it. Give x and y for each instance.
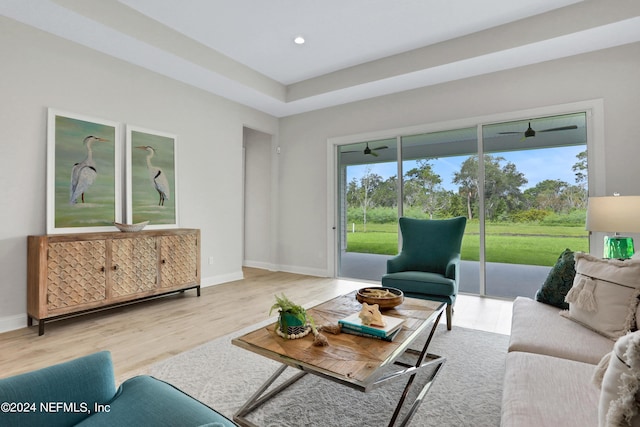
(467, 390)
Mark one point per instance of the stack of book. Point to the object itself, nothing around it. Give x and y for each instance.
(353, 325)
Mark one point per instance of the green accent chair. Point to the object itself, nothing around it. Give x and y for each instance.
(428, 267)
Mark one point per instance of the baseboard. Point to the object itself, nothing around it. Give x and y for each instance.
(260, 264)
(303, 270)
(286, 268)
(11, 323)
(220, 279)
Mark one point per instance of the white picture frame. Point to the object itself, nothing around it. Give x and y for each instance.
(151, 177)
(84, 176)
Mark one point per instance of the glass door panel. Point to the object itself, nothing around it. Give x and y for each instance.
(368, 208)
(535, 194)
(436, 185)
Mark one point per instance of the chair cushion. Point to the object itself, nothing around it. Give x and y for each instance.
(420, 282)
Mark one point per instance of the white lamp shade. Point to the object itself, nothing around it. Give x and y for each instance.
(614, 214)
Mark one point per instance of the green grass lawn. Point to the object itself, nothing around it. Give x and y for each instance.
(512, 243)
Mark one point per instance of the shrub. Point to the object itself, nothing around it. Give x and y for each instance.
(574, 218)
(530, 215)
(382, 215)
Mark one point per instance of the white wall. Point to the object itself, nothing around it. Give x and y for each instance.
(40, 71)
(611, 75)
(258, 199)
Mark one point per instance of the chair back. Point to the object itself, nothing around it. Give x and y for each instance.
(429, 244)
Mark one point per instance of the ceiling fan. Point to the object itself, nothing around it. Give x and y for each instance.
(368, 150)
(530, 133)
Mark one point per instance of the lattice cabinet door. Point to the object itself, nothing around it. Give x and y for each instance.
(179, 260)
(134, 266)
(75, 274)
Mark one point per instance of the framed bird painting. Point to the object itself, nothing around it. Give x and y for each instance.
(151, 177)
(84, 178)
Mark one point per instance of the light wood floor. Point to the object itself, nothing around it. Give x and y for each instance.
(141, 334)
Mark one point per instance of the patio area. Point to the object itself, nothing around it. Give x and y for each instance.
(503, 280)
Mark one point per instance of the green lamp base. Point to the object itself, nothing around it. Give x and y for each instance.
(618, 247)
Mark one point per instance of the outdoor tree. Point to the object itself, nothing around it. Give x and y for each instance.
(353, 198)
(369, 182)
(547, 195)
(581, 193)
(467, 180)
(580, 169)
(501, 185)
(422, 188)
(386, 194)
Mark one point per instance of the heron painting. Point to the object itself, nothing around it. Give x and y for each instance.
(151, 177)
(83, 173)
(157, 175)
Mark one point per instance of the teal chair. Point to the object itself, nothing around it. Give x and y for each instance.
(428, 267)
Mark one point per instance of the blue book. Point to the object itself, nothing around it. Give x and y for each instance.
(353, 322)
(347, 330)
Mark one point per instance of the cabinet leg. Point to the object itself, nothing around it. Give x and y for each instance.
(41, 327)
(198, 288)
(29, 321)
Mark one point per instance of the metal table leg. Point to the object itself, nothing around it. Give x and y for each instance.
(438, 361)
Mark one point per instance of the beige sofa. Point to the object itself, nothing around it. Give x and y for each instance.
(574, 357)
(549, 369)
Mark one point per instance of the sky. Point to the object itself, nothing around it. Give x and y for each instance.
(536, 165)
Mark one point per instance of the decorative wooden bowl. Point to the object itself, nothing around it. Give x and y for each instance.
(128, 228)
(386, 298)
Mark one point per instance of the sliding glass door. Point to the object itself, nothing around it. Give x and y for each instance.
(525, 201)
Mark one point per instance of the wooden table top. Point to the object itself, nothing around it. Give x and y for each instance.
(348, 358)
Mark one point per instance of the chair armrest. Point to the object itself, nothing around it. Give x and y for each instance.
(453, 268)
(83, 381)
(397, 263)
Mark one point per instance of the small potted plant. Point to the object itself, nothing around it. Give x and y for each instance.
(293, 320)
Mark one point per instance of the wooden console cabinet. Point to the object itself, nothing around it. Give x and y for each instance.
(70, 274)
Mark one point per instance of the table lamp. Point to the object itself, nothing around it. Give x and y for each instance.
(615, 214)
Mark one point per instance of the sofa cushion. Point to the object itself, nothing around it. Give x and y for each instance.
(558, 282)
(604, 296)
(621, 384)
(146, 401)
(79, 383)
(545, 391)
(539, 328)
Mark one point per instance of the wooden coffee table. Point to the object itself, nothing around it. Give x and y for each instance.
(354, 361)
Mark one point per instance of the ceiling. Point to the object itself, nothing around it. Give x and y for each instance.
(338, 33)
(243, 50)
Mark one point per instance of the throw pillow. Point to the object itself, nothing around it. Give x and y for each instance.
(559, 281)
(604, 296)
(620, 383)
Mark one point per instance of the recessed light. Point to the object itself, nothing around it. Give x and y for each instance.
(298, 40)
